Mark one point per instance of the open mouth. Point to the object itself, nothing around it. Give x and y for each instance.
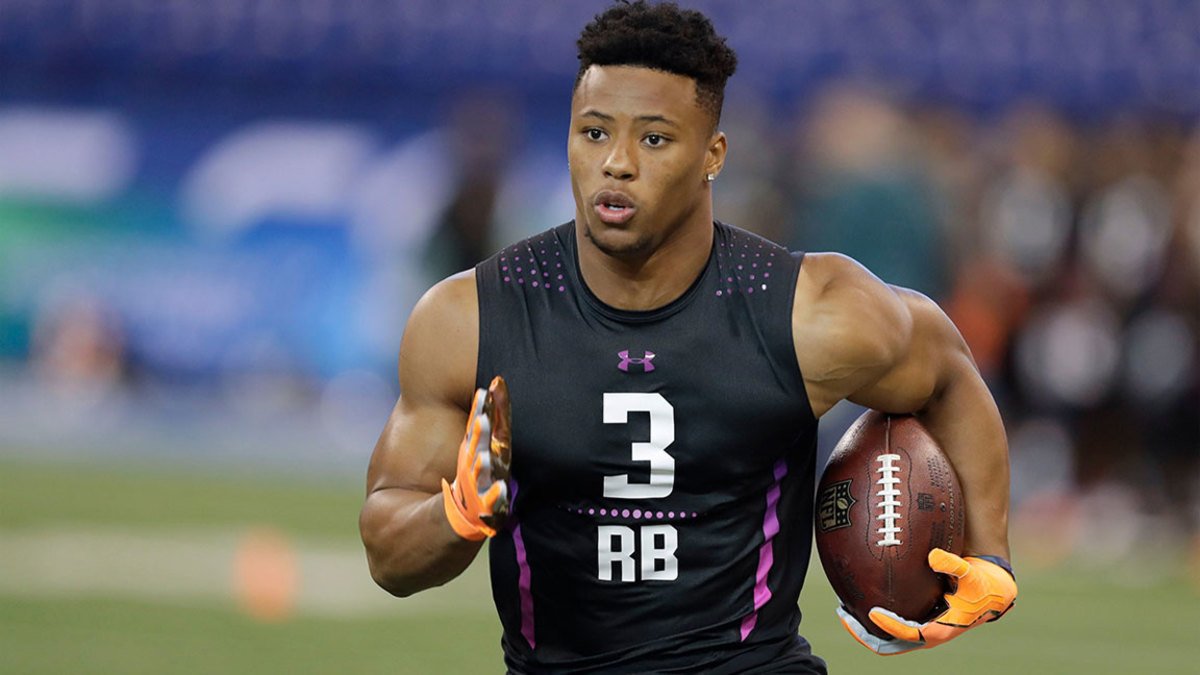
(613, 207)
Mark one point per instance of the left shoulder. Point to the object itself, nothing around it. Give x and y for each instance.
(843, 310)
(850, 328)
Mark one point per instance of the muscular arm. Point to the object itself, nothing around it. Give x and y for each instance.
(410, 544)
(894, 350)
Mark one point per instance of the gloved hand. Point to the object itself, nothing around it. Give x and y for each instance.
(984, 591)
(477, 503)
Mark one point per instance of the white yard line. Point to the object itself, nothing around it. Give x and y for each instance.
(196, 567)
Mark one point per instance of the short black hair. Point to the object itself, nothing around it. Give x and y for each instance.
(661, 37)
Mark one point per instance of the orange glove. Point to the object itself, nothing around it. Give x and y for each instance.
(477, 503)
(984, 590)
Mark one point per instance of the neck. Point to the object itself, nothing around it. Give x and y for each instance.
(652, 279)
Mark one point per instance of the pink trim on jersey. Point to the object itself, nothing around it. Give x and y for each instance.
(766, 552)
(523, 586)
(523, 575)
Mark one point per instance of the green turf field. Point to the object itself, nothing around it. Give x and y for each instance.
(1096, 623)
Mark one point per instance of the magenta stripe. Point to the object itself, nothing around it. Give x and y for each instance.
(766, 552)
(523, 576)
(523, 587)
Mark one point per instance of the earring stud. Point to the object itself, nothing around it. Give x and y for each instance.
(710, 177)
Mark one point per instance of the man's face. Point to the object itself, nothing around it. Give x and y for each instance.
(639, 148)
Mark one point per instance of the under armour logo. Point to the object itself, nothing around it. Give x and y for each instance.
(647, 366)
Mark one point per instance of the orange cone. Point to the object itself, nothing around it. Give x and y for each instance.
(266, 575)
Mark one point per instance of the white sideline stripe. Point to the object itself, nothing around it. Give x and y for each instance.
(195, 567)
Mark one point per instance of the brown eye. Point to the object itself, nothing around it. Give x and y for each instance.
(654, 140)
(595, 134)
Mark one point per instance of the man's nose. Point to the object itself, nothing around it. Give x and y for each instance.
(620, 163)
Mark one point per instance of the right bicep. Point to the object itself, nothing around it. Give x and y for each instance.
(418, 447)
(419, 444)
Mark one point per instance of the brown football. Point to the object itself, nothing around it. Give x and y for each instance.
(886, 498)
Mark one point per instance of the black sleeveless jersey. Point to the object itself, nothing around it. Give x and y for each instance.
(662, 465)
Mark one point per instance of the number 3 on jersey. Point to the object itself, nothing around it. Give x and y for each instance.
(662, 433)
(618, 544)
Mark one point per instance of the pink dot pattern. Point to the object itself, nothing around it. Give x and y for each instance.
(631, 514)
(742, 260)
(744, 264)
(530, 260)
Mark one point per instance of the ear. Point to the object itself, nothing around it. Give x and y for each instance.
(714, 158)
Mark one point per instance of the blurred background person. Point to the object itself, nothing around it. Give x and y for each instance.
(482, 137)
(864, 190)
